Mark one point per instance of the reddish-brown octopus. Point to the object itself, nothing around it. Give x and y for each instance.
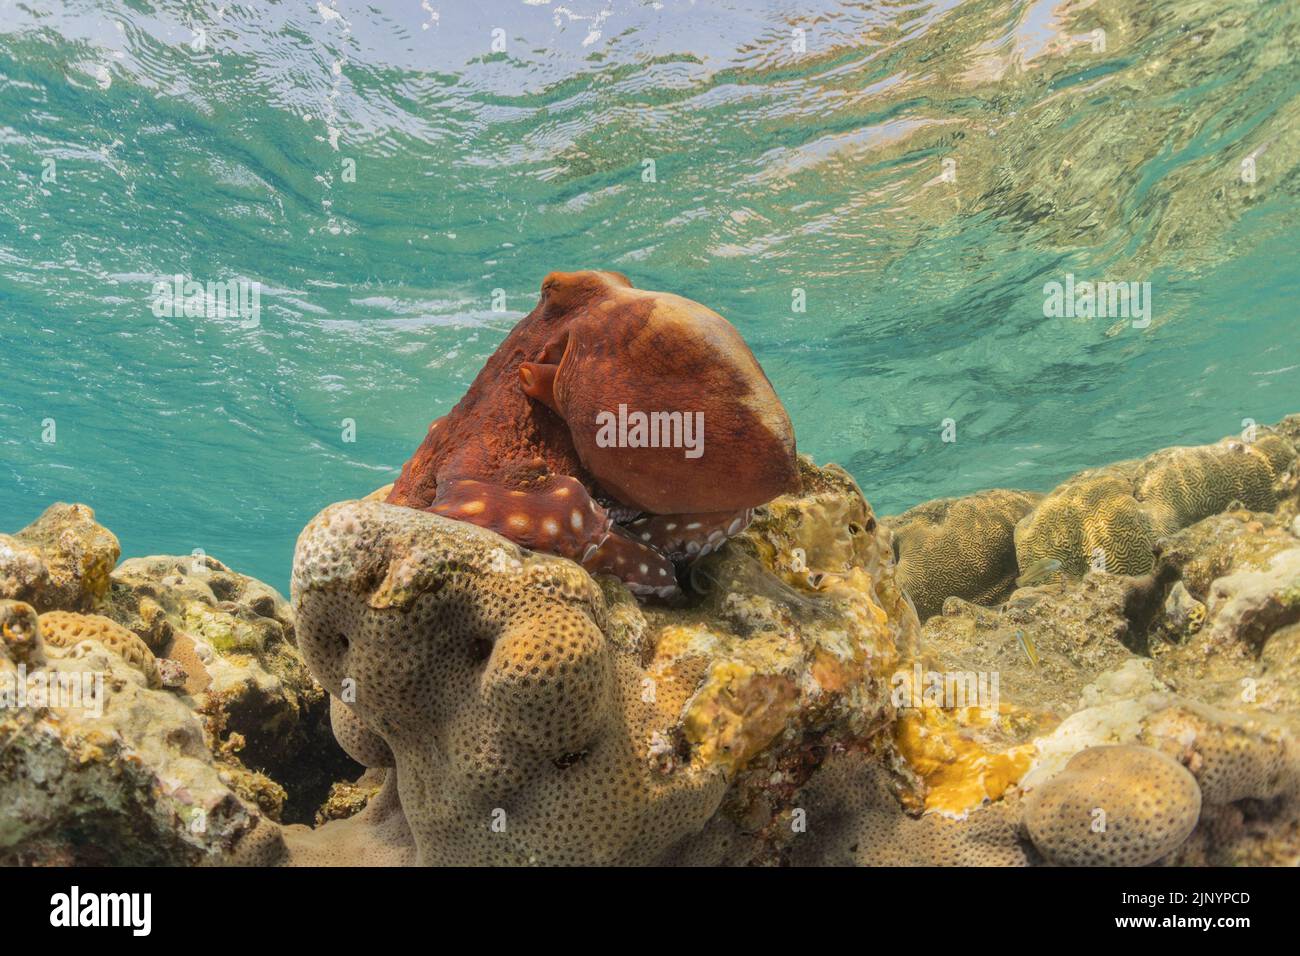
(621, 428)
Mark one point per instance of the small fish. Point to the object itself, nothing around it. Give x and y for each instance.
(1027, 645)
(1039, 571)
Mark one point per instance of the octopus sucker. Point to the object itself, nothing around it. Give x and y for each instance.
(532, 452)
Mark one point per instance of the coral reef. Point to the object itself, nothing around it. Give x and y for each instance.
(437, 694)
(854, 819)
(531, 715)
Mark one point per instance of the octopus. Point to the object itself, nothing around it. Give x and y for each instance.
(627, 430)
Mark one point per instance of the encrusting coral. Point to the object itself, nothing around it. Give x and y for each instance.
(233, 640)
(67, 630)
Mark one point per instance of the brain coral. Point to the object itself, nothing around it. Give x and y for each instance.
(1183, 485)
(66, 629)
(1090, 519)
(1113, 806)
(963, 547)
(1109, 518)
(530, 714)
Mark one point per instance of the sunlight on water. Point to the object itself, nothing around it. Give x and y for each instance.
(876, 194)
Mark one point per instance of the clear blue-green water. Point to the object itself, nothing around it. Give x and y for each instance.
(214, 140)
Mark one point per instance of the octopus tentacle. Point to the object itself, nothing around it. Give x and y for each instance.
(645, 570)
(557, 516)
(685, 537)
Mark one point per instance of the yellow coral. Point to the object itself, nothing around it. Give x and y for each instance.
(960, 774)
(735, 714)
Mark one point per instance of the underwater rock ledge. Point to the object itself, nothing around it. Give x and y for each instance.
(492, 705)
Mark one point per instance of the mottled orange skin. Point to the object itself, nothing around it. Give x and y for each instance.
(518, 454)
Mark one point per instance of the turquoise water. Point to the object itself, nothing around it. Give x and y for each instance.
(139, 140)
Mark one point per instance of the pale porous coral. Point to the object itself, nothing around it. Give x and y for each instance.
(533, 715)
(960, 547)
(61, 560)
(1113, 806)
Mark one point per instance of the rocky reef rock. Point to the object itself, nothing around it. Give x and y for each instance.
(233, 640)
(61, 560)
(513, 710)
(96, 767)
(150, 713)
(1131, 698)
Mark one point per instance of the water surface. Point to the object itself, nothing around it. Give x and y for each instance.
(917, 171)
